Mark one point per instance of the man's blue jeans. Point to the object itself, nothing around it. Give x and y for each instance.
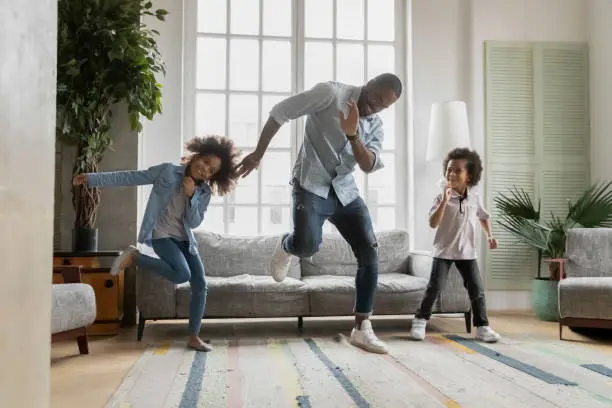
(354, 224)
(178, 265)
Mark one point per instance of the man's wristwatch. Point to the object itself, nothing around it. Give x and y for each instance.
(354, 137)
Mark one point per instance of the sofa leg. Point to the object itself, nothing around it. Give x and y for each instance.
(560, 331)
(83, 344)
(468, 321)
(300, 322)
(141, 325)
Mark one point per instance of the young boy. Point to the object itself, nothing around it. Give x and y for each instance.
(456, 213)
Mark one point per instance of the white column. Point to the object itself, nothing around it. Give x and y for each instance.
(600, 34)
(27, 118)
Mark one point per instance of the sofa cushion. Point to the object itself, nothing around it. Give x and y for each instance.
(396, 294)
(248, 296)
(335, 256)
(225, 255)
(589, 298)
(73, 305)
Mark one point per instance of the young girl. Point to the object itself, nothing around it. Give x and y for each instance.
(178, 200)
(455, 213)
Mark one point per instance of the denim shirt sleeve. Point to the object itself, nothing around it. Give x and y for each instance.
(125, 178)
(308, 102)
(374, 144)
(196, 207)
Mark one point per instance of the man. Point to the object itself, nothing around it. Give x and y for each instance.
(342, 130)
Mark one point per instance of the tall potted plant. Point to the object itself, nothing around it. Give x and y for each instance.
(521, 217)
(106, 56)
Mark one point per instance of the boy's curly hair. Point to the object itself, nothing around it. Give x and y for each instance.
(224, 181)
(473, 163)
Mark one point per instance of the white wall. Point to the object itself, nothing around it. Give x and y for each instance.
(600, 37)
(448, 38)
(27, 138)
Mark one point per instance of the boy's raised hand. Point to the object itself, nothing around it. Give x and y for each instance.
(80, 179)
(448, 192)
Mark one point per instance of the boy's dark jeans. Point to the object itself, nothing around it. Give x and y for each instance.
(354, 224)
(468, 268)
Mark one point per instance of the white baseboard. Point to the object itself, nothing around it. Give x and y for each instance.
(508, 300)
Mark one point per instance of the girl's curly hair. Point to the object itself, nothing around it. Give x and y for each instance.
(224, 181)
(473, 163)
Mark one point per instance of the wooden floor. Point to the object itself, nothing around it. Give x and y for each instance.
(88, 381)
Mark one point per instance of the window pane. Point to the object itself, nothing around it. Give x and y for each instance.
(212, 16)
(388, 118)
(244, 17)
(318, 63)
(276, 17)
(319, 18)
(381, 183)
(349, 18)
(243, 127)
(210, 114)
(283, 136)
(275, 220)
(242, 221)
(211, 70)
(276, 74)
(383, 218)
(381, 20)
(213, 220)
(275, 177)
(246, 189)
(381, 59)
(350, 64)
(244, 63)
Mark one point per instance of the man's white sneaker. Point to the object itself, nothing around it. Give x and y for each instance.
(280, 262)
(116, 267)
(417, 332)
(486, 334)
(366, 339)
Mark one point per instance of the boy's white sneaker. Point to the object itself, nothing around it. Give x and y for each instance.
(417, 332)
(487, 334)
(365, 338)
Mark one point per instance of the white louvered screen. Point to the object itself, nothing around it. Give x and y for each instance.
(510, 153)
(564, 124)
(537, 137)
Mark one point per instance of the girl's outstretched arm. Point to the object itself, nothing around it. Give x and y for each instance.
(121, 178)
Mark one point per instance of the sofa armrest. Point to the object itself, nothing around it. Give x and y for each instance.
(155, 296)
(71, 274)
(419, 264)
(589, 252)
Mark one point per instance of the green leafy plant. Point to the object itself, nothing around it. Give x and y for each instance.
(521, 217)
(106, 56)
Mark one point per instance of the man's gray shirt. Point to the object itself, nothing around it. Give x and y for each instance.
(326, 158)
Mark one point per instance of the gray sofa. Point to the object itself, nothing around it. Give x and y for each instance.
(240, 284)
(585, 295)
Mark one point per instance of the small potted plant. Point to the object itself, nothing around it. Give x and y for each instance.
(522, 218)
(106, 56)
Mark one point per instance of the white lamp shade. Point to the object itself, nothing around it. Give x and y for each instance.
(448, 129)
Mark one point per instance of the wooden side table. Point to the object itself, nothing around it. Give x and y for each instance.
(109, 289)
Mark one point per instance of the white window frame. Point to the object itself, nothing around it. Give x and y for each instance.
(403, 135)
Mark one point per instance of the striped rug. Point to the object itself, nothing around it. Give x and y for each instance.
(443, 371)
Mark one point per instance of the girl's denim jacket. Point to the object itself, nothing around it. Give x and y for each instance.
(166, 179)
